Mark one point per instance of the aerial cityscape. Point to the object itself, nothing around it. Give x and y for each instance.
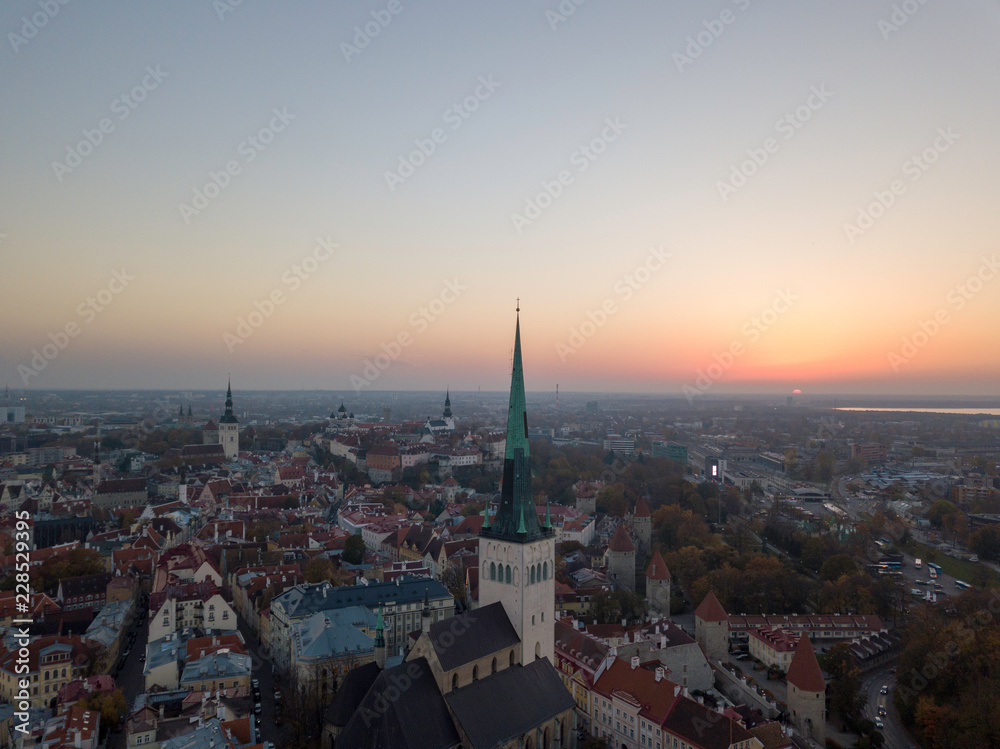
(561, 375)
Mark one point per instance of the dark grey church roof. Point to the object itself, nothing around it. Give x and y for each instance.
(356, 685)
(473, 635)
(509, 703)
(403, 710)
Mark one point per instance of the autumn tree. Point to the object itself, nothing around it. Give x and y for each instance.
(318, 569)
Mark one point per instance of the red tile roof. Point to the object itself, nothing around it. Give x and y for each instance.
(710, 610)
(804, 671)
(657, 569)
(620, 541)
(641, 508)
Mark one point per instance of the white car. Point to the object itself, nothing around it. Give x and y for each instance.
(884, 689)
(879, 724)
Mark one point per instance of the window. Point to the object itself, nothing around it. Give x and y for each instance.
(454, 681)
(508, 574)
(545, 570)
(493, 571)
(532, 580)
(475, 673)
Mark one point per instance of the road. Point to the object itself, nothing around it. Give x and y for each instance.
(263, 671)
(130, 678)
(871, 685)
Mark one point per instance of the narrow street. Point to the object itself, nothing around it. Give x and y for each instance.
(896, 736)
(263, 672)
(130, 679)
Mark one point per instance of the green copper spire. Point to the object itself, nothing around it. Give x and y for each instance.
(516, 518)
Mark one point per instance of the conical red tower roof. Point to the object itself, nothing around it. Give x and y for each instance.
(620, 541)
(657, 569)
(710, 610)
(804, 671)
(641, 508)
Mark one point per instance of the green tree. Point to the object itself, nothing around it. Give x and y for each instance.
(844, 691)
(837, 566)
(354, 550)
(939, 510)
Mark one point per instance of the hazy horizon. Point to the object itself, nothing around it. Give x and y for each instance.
(718, 199)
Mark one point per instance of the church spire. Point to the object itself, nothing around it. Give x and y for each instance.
(447, 404)
(228, 417)
(516, 518)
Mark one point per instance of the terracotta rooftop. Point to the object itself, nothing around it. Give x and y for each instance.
(710, 610)
(804, 671)
(657, 569)
(620, 541)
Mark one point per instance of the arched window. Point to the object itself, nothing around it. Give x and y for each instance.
(538, 650)
(493, 570)
(532, 620)
(545, 570)
(493, 669)
(508, 574)
(532, 581)
(475, 673)
(454, 681)
(511, 656)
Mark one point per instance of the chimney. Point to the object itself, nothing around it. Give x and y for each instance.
(635, 662)
(663, 642)
(659, 673)
(686, 693)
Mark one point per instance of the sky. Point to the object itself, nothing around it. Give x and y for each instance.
(728, 196)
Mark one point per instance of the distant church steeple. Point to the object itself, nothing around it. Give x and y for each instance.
(447, 404)
(229, 427)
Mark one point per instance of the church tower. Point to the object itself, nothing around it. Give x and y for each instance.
(229, 427)
(446, 415)
(516, 551)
